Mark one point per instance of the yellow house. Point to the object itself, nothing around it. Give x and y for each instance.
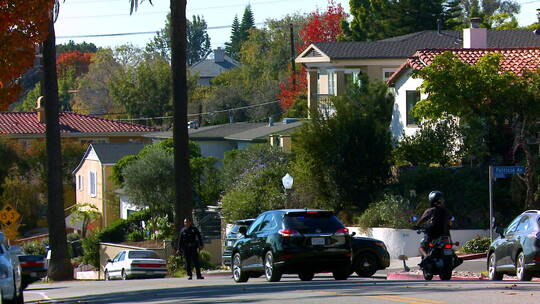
(331, 66)
(93, 182)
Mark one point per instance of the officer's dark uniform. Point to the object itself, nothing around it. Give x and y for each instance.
(189, 241)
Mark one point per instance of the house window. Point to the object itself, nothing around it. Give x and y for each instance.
(387, 73)
(412, 98)
(80, 182)
(331, 83)
(93, 181)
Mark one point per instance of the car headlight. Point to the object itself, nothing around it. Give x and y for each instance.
(4, 271)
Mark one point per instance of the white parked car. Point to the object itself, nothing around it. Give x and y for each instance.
(135, 264)
(10, 274)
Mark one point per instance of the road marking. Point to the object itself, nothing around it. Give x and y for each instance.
(398, 299)
(42, 294)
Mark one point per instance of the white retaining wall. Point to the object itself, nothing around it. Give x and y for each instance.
(406, 241)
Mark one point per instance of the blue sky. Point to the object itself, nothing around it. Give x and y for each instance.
(91, 17)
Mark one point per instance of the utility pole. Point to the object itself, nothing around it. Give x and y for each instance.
(293, 66)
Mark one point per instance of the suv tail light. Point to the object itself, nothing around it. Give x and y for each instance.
(342, 231)
(288, 232)
(448, 246)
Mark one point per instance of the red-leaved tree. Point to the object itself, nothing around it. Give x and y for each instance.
(23, 24)
(78, 61)
(322, 26)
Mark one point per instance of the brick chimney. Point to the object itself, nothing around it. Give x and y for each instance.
(475, 37)
(41, 109)
(219, 55)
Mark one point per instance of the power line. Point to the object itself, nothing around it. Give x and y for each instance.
(197, 114)
(139, 33)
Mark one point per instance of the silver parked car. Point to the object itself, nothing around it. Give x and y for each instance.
(10, 274)
(135, 264)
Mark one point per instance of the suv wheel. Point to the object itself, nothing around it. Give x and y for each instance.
(272, 274)
(492, 269)
(522, 273)
(239, 276)
(341, 274)
(365, 265)
(306, 276)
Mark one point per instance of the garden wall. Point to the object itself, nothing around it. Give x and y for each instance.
(406, 241)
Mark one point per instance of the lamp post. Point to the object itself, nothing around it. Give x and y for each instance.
(287, 181)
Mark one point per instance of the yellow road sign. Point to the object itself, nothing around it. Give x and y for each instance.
(9, 215)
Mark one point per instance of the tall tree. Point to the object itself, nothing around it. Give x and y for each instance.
(183, 205)
(453, 15)
(248, 22)
(369, 21)
(233, 47)
(198, 40)
(60, 266)
(71, 46)
(496, 14)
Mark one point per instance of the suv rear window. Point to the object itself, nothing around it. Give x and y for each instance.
(309, 222)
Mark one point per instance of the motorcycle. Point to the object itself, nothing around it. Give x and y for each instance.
(441, 258)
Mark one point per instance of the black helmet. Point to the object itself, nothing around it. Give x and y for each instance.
(435, 197)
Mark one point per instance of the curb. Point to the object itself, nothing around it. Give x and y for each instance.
(217, 273)
(395, 276)
(473, 256)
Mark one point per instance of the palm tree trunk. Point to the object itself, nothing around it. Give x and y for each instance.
(183, 198)
(60, 267)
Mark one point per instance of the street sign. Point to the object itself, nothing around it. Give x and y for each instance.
(8, 215)
(503, 171)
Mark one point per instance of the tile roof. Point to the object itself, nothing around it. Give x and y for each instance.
(515, 60)
(404, 46)
(27, 123)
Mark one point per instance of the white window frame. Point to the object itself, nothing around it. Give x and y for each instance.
(385, 70)
(80, 182)
(92, 184)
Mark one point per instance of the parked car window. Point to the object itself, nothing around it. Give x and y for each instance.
(265, 223)
(122, 256)
(143, 255)
(255, 226)
(525, 224)
(270, 222)
(512, 227)
(115, 259)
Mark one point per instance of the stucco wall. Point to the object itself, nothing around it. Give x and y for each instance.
(83, 196)
(215, 148)
(398, 126)
(406, 241)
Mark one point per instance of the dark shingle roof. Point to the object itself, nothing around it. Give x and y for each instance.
(262, 132)
(210, 68)
(111, 153)
(405, 46)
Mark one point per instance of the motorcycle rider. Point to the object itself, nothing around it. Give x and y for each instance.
(437, 221)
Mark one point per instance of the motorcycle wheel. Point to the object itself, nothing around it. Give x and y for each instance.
(427, 276)
(446, 274)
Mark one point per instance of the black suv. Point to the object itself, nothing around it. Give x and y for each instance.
(302, 241)
(369, 255)
(231, 237)
(517, 250)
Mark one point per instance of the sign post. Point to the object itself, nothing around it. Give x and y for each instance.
(494, 173)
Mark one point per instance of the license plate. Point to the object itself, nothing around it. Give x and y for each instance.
(448, 252)
(230, 243)
(317, 241)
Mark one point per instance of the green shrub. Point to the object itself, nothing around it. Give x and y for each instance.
(73, 237)
(90, 246)
(477, 245)
(115, 233)
(34, 248)
(393, 211)
(135, 236)
(205, 257)
(175, 265)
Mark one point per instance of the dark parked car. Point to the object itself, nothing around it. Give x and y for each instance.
(32, 267)
(369, 255)
(231, 237)
(517, 250)
(301, 241)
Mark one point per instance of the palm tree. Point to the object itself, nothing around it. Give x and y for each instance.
(183, 197)
(60, 266)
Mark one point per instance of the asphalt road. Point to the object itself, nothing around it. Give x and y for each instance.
(323, 289)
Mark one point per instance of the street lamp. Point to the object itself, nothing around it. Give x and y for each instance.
(287, 181)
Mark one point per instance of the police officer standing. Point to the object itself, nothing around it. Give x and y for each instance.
(189, 243)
